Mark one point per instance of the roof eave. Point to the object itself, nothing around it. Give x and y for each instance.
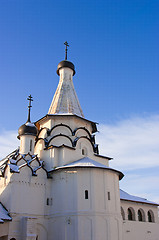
(127, 200)
(121, 175)
(98, 155)
(94, 127)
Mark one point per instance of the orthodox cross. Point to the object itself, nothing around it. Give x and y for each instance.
(29, 106)
(66, 44)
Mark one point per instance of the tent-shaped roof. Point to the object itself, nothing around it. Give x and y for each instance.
(65, 99)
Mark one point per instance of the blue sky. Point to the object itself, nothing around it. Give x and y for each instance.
(114, 46)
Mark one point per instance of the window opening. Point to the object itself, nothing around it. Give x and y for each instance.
(31, 145)
(47, 201)
(84, 151)
(140, 218)
(86, 194)
(108, 195)
(130, 215)
(150, 216)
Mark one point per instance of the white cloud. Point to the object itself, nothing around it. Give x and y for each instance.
(133, 143)
(134, 146)
(141, 185)
(8, 142)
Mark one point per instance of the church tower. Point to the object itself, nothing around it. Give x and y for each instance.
(65, 99)
(27, 134)
(58, 187)
(83, 195)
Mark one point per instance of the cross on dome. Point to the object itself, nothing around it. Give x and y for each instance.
(29, 106)
(66, 49)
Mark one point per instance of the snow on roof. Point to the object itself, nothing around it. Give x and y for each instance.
(12, 159)
(84, 162)
(64, 101)
(88, 162)
(4, 161)
(4, 216)
(29, 124)
(13, 167)
(127, 197)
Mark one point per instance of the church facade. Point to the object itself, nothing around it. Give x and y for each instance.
(57, 186)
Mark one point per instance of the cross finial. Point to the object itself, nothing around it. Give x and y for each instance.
(29, 106)
(66, 45)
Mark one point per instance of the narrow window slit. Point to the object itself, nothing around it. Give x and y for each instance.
(30, 145)
(86, 194)
(108, 195)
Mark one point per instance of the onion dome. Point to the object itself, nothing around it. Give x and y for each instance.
(67, 64)
(28, 128)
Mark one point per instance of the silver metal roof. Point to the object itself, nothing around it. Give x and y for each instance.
(127, 197)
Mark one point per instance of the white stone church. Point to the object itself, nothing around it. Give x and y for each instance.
(56, 185)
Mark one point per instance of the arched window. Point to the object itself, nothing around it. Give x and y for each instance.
(86, 194)
(47, 201)
(12, 239)
(131, 214)
(84, 151)
(122, 213)
(141, 215)
(150, 216)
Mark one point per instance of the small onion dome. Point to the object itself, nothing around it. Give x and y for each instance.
(27, 129)
(67, 64)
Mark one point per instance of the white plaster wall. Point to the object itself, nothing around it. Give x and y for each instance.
(60, 129)
(27, 191)
(4, 229)
(25, 196)
(99, 215)
(25, 227)
(61, 156)
(5, 189)
(55, 157)
(140, 230)
(136, 229)
(25, 144)
(71, 120)
(43, 133)
(136, 206)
